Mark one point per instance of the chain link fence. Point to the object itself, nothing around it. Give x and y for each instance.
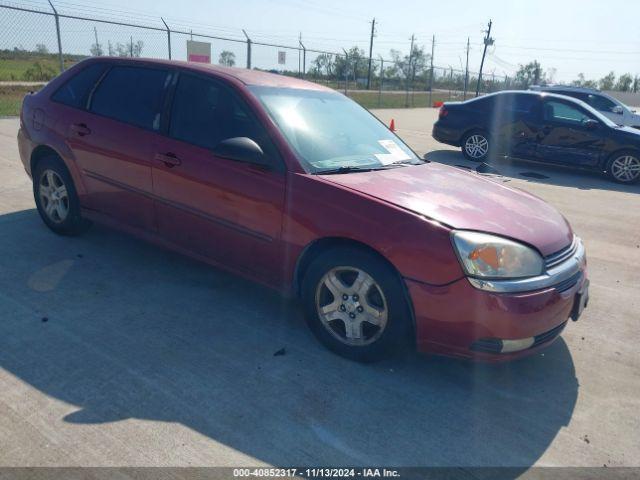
(36, 45)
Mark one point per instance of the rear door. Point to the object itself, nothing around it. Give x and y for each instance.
(515, 122)
(564, 137)
(221, 209)
(113, 142)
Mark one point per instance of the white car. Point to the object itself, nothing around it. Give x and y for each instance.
(610, 107)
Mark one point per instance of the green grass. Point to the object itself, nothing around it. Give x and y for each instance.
(11, 99)
(15, 69)
(373, 99)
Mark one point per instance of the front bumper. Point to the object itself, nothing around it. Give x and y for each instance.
(463, 321)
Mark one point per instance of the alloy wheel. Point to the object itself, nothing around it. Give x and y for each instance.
(53, 196)
(476, 146)
(351, 306)
(625, 168)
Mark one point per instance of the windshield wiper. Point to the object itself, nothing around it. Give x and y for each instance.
(351, 169)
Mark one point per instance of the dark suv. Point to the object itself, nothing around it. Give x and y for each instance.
(541, 126)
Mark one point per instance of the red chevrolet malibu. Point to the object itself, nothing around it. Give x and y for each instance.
(297, 187)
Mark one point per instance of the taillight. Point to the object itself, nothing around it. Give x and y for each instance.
(443, 112)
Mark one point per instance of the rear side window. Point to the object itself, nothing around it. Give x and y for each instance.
(521, 103)
(75, 91)
(205, 112)
(525, 103)
(601, 103)
(132, 95)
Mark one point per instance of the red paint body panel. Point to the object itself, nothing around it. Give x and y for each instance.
(260, 222)
(228, 211)
(468, 201)
(451, 318)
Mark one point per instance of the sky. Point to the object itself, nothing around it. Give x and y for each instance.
(592, 37)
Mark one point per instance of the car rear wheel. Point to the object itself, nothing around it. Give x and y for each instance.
(624, 167)
(355, 305)
(476, 146)
(56, 197)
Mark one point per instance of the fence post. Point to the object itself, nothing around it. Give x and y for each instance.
(248, 50)
(346, 71)
(433, 46)
(168, 36)
(381, 78)
(304, 60)
(55, 15)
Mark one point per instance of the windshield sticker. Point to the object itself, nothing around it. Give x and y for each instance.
(396, 154)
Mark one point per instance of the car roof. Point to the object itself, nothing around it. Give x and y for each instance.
(538, 93)
(567, 88)
(243, 75)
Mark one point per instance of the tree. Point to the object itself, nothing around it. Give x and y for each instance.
(42, 49)
(624, 83)
(127, 50)
(96, 50)
(408, 66)
(352, 66)
(582, 82)
(323, 65)
(530, 74)
(607, 83)
(227, 58)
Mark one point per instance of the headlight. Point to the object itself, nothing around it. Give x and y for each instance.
(488, 256)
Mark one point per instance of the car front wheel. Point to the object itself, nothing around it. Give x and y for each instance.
(355, 305)
(476, 146)
(624, 167)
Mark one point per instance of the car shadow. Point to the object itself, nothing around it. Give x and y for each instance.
(512, 168)
(118, 329)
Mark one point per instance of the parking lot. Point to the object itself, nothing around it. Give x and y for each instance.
(115, 352)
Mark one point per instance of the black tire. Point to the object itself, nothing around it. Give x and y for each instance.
(72, 223)
(397, 332)
(617, 174)
(469, 153)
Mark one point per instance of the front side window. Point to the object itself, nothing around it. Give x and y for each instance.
(601, 103)
(205, 112)
(328, 131)
(75, 91)
(561, 112)
(132, 95)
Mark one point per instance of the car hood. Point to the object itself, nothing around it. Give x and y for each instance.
(465, 200)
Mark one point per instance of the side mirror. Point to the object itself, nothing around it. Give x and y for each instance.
(618, 109)
(591, 124)
(241, 149)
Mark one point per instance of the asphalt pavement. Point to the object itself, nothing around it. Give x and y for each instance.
(117, 353)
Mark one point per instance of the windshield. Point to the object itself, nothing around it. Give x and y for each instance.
(330, 132)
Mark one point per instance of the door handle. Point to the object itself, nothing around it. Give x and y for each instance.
(168, 159)
(80, 129)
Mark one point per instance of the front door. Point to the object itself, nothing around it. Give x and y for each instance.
(221, 209)
(113, 143)
(567, 137)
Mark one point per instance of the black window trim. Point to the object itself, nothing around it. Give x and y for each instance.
(148, 66)
(277, 164)
(87, 95)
